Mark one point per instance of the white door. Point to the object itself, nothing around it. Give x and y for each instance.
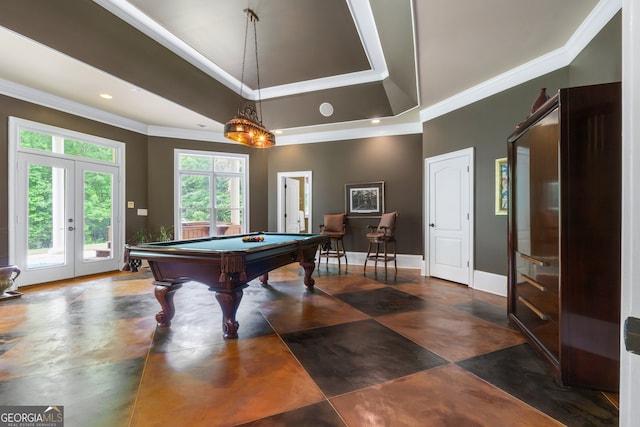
(292, 205)
(448, 219)
(64, 218)
(96, 229)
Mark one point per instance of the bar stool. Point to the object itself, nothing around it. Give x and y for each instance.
(382, 234)
(334, 226)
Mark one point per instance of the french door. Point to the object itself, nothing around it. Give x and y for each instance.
(65, 218)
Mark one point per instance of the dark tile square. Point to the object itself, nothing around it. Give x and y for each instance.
(390, 278)
(198, 318)
(203, 326)
(97, 395)
(378, 302)
(105, 309)
(318, 415)
(351, 356)
(8, 340)
(520, 372)
(48, 295)
(139, 275)
(486, 311)
(274, 290)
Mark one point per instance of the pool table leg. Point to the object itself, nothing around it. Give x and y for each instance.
(164, 293)
(264, 279)
(229, 302)
(308, 266)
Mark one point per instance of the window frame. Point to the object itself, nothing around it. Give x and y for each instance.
(178, 173)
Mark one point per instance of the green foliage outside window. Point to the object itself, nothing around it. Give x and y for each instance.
(98, 201)
(40, 207)
(195, 188)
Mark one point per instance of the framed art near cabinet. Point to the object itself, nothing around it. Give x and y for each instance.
(365, 199)
(502, 186)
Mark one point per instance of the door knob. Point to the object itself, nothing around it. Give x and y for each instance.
(71, 228)
(432, 225)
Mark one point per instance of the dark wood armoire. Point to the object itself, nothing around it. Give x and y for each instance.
(564, 233)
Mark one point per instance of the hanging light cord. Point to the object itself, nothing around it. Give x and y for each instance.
(254, 18)
(244, 51)
(251, 15)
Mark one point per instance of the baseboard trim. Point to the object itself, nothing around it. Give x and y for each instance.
(482, 280)
(357, 258)
(490, 282)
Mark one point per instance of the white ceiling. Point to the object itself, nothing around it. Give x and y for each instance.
(456, 53)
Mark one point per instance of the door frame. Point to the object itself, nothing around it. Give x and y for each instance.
(630, 299)
(15, 125)
(470, 154)
(281, 199)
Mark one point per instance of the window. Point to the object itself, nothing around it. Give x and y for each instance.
(211, 194)
(39, 141)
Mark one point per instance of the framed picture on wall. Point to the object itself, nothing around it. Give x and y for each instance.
(502, 186)
(365, 199)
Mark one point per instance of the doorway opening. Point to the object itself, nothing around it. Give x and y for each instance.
(65, 202)
(294, 202)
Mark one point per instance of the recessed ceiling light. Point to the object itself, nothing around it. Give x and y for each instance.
(326, 109)
(278, 131)
(375, 121)
(105, 96)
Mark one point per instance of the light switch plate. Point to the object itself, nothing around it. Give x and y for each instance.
(131, 205)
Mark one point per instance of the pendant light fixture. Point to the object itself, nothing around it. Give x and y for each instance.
(246, 127)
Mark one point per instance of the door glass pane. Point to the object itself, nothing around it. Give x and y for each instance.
(195, 206)
(46, 221)
(98, 215)
(228, 205)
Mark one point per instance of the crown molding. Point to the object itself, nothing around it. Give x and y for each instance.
(302, 138)
(55, 102)
(58, 103)
(353, 133)
(191, 134)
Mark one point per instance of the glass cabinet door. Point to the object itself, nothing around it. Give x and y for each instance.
(536, 210)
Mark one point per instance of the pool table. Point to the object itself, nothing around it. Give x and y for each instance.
(225, 264)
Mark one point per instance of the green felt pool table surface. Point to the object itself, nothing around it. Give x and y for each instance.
(231, 243)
